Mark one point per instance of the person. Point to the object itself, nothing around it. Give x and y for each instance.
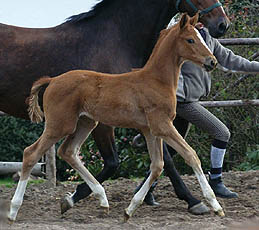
(193, 84)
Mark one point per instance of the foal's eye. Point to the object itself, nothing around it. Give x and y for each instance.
(190, 41)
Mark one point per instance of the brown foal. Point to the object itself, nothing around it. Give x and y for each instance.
(144, 99)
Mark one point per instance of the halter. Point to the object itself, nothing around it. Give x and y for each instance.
(202, 12)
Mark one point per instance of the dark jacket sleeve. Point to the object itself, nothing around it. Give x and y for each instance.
(235, 63)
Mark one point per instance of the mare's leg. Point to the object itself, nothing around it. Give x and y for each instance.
(154, 145)
(104, 138)
(165, 130)
(69, 152)
(31, 156)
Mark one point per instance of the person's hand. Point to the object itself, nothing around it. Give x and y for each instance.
(199, 26)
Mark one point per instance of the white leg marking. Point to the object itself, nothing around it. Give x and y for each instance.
(207, 191)
(17, 199)
(138, 197)
(99, 191)
(94, 185)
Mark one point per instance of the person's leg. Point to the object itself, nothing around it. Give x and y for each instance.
(205, 120)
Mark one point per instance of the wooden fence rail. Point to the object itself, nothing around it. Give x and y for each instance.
(13, 167)
(231, 103)
(239, 41)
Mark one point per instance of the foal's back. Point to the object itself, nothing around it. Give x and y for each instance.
(109, 98)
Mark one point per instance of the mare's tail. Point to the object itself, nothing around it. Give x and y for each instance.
(34, 110)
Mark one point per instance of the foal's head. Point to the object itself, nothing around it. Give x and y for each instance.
(190, 44)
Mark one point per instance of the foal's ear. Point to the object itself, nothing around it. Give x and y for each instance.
(194, 20)
(185, 19)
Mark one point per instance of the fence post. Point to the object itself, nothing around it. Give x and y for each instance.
(51, 167)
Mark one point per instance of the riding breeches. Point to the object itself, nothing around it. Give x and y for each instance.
(194, 113)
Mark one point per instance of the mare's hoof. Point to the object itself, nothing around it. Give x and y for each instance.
(220, 213)
(199, 209)
(66, 203)
(126, 216)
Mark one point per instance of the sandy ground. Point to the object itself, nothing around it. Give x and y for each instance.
(41, 210)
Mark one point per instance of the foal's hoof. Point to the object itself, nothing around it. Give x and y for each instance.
(126, 216)
(105, 210)
(9, 218)
(199, 209)
(220, 213)
(66, 203)
(9, 221)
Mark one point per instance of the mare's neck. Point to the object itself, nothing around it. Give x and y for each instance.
(134, 23)
(139, 23)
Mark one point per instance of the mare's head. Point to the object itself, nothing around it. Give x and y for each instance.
(212, 14)
(190, 44)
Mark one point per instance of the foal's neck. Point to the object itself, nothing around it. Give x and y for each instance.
(165, 61)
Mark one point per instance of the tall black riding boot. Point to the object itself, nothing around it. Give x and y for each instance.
(149, 198)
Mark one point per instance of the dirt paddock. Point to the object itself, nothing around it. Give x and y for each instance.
(40, 209)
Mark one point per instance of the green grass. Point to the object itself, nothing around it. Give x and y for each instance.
(9, 183)
(38, 181)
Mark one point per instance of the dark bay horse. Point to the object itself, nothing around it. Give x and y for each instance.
(145, 99)
(114, 37)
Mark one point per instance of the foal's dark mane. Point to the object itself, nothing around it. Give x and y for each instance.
(91, 13)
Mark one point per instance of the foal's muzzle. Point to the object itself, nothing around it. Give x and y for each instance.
(210, 63)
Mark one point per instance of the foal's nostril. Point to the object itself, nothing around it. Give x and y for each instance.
(212, 63)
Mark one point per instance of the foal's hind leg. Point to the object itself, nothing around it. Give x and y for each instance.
(31, 156)
(104, 138)
(154, 145)
(69, 152)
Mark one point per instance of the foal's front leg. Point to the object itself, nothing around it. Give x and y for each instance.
(164, 129)
(154, 145)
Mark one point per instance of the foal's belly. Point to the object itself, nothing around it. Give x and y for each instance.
(118, 117)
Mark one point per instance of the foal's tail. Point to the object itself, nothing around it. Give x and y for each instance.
(34, 110)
